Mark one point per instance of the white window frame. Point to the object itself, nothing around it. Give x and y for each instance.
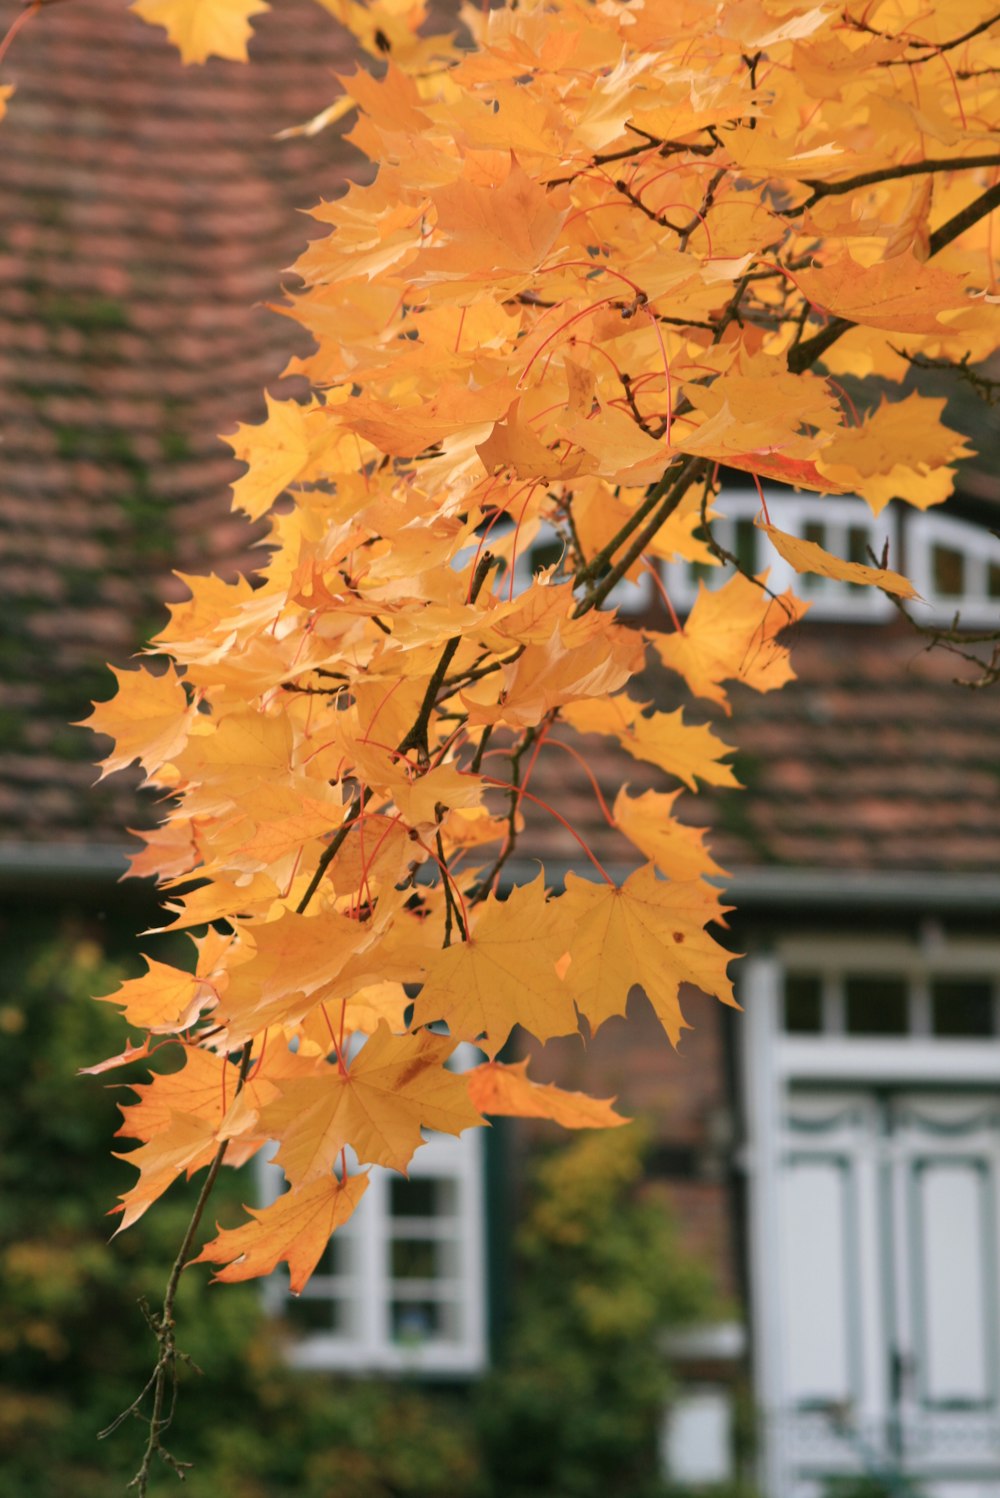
(977, 547)
(828, 597)
(368, 1288)
(773, 1060)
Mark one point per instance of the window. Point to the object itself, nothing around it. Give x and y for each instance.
(955, 567)
(912, 1001)
(402, 1287)
(841, 524)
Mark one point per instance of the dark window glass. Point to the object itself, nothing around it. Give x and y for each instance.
(745, 544)
(546, 554)
(858, 541)
(336, 1257)
(993, 580)
(315, 1314)
(415, 1321)
(422, 1197)
(803, 1004)
(876, 1006)
(415, 1259)
(962, 1006)
(949, 571)
(811, 582)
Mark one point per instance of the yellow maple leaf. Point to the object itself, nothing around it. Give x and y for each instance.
(900, 451)
(809, 556)
(162, 1000)
(504, 975)
(676, 849)
(149, 720)
(688, 750)
(204, 28)
(505, 1090)
(395, 1086)
(647, 932)
(295, 1229)
(729, 635)
(902, 295)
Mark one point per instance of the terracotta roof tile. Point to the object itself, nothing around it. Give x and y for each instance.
(147, 213)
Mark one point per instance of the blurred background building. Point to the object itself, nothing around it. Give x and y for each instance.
(832, 1312)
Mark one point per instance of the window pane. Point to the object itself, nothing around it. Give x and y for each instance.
(811, 582)
(426, 1196)
(993, 580)
(858, 541)
(316, 1314)
(337, 1256)
(416, 1259)
(876, 1005)
(949, 571)
(962, 1006)
(417, 1321)
(803, 1004)
(745, 546)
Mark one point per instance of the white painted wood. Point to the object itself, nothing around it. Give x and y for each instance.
(816, 1280)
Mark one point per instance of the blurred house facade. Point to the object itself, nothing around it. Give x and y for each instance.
(833, 1152)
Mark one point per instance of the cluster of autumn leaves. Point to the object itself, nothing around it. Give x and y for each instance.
(604, 251)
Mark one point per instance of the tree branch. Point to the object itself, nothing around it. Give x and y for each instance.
(811, 349)
(931, 164)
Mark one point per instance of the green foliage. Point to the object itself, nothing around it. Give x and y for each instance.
(571, 1412)
(576, 1403)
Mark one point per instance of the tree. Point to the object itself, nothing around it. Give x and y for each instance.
(608, 250)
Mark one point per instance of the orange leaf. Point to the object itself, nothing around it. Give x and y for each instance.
(808, 556)
(648, 932)
(163, 999)
(507, 1090)
(149, 720)
(729, 635)
(504, 975)
(902, 295)
(294, 1229)
(204, 28)
(677, 850)
(396, 1085)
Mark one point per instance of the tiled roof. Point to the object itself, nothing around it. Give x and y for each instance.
(872, 760)
(146, 211)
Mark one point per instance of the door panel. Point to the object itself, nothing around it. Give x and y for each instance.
(888, 1287)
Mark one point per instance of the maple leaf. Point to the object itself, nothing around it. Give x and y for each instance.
(505, 1090)
(677, 850)
(149, 720)
(901, 294)
(164, 999)
(730, 635)
(186, 1143)
(487, 228)
(396, 1085)
(900, 451)
(203, 28)
(809, 556)
(295, 1229)
(689, 751)
(503, 975)
(647, 932)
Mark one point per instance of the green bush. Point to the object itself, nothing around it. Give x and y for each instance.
(570, 1412)
(576, 1402)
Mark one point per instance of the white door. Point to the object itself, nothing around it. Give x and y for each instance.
(887, 1288)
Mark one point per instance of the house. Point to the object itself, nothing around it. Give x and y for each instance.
(833, 1151)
